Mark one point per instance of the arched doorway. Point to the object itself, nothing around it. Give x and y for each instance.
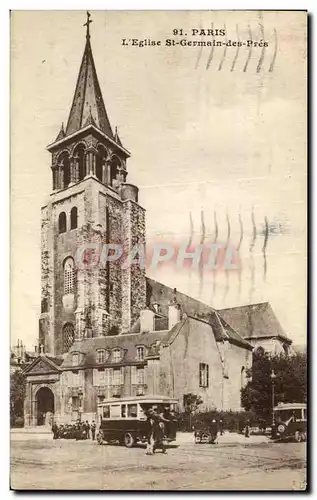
(45, 404)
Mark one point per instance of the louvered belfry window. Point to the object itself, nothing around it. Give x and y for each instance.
(68, 276)
(68, 336)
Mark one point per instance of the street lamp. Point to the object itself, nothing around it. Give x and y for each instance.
(273, 377)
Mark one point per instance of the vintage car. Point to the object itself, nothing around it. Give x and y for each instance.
(290, 422)
(204, 432)
(124, 420)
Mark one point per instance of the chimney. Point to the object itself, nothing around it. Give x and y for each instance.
(174, 314)
(146, 320)
(35, 349)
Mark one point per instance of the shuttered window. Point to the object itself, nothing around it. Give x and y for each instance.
(203, 375)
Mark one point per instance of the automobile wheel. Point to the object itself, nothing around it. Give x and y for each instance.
(99, 438)
(128, 440)
(197, 439)
(281, 428)
(205, 438)
(304, 436)
(297, 436)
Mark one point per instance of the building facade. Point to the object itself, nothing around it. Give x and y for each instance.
(108, 330)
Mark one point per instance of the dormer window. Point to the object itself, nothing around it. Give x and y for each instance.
(75, 359)
(140, 353)
(101, 356)
(116, 355)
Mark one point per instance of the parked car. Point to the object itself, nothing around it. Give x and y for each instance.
(290, 422)
(124, 420)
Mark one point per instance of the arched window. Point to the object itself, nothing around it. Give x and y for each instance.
(62, 223)
(101, 356)
(68, 336)
(79, 155)
(73, 218)
(100, 159)
(64, 159)
(140, 352)
(68, 276)
(75, 359)
(116, 355)
(114, 167)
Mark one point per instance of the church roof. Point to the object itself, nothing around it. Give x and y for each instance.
(88, 106)
(195, 310)
(254, 321)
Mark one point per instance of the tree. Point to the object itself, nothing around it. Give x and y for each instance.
(17, 395)
(290, 384)
(192, 402)
(191, 405)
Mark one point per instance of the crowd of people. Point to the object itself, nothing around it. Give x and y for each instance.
(79, 430)
(158, 429)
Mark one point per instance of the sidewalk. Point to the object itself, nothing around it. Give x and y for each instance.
(226, 438)
(24, 433)
(41, 429)
(42, 432)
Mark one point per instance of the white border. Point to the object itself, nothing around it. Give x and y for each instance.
(310, 5)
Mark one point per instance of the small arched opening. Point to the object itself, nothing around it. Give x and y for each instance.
(62, 223)
(64, 160)
(45, 406)
(73, 218)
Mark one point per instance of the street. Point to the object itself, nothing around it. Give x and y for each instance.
(39, 462)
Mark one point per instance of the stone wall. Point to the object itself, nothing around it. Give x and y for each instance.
(133, 276)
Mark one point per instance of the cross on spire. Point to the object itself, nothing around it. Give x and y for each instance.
(87, 23)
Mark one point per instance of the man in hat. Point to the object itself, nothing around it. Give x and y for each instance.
(156, 422)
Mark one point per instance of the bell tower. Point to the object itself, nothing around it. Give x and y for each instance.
(91, 205)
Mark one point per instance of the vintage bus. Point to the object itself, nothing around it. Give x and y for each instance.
(124, 420)
(290, 422)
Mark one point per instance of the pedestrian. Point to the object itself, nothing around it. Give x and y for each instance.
(87, 429)
(55, 430)
(221, 427)
(93, 430)
(247, 429)
(214, 431)
(159, 430)
(150, 418)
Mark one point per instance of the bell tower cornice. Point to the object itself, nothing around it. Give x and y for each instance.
(78, 135)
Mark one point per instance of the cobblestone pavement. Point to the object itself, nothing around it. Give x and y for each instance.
(84, 465)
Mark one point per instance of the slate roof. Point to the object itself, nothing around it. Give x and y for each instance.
(196, 310)
(127, 342)
(56, 361)
(88, 105)
(254, 321)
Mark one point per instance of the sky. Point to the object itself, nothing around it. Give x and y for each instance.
(213, 148)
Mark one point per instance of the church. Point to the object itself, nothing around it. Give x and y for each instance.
(108, 331)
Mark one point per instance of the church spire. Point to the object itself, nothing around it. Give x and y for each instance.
(88, 103)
